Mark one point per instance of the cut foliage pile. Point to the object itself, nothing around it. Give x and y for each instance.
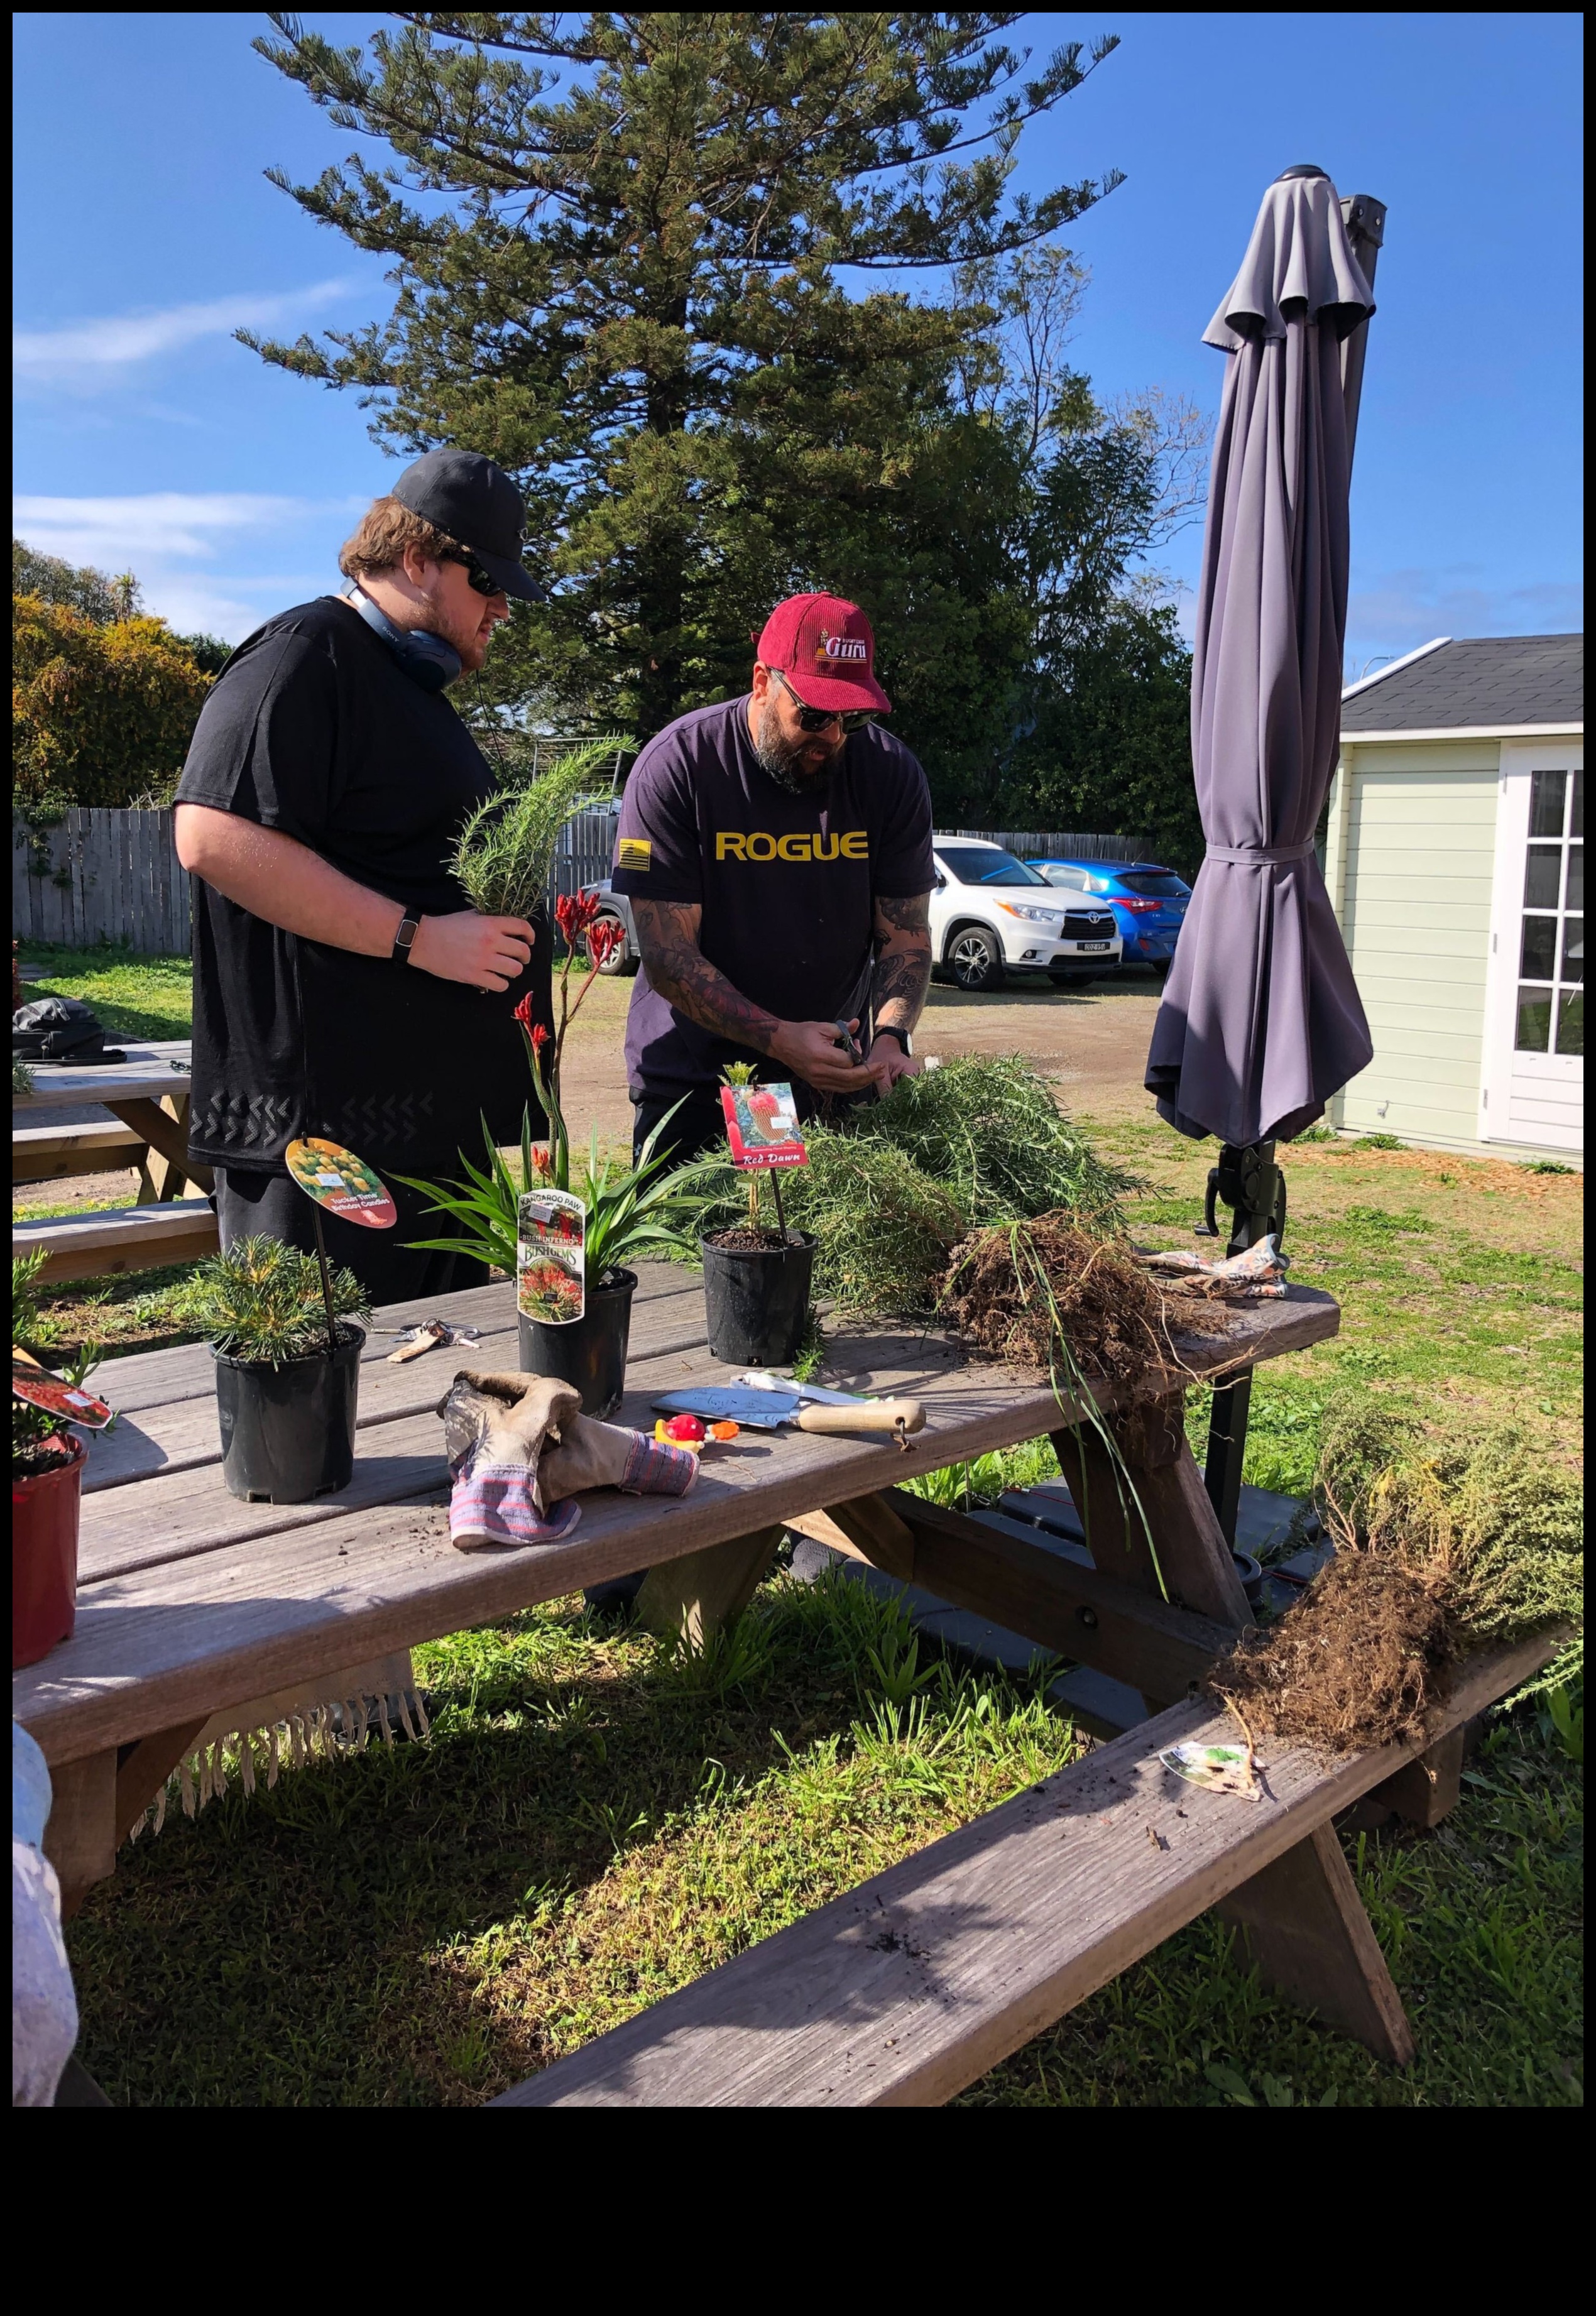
(1446, 1540)
(892, 1187)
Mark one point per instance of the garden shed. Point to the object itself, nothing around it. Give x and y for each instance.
(1454, 860)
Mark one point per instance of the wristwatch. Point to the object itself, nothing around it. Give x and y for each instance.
(409, 928)
(886, 1029)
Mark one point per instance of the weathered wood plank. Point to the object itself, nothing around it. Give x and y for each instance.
(182, 1434)
(52, 1154)
(120, 1239)
(1303, 1926)
(147, 1071)
(907, 1990)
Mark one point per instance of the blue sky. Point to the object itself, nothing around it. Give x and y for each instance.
(146, 232)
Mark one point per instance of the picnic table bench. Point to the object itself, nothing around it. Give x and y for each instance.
(190, 1603)
(147, 1096)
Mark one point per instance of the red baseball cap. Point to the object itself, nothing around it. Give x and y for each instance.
(824, 648)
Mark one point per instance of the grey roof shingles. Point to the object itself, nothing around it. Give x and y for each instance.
(1487, 681)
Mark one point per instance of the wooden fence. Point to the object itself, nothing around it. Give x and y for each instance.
(1048, 844)
(101, 876)
(115, 877)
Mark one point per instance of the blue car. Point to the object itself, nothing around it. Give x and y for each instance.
(1149, 902)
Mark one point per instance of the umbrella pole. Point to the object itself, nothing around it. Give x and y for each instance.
(1250, 1183)
(1365, 220)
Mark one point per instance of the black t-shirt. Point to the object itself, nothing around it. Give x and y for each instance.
(313, 728)
(786, 883)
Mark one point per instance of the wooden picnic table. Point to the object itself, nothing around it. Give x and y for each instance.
(148, 1092)
(190, 1603)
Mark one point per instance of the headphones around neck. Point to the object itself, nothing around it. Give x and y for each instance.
(426, 659)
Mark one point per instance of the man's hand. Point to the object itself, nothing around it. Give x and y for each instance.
(811, 1051)
(279, 879)
(888, 1055)
(486, 952)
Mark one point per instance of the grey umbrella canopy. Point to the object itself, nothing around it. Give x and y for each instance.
(1261, 1021)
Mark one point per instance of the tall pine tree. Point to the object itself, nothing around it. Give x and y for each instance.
(627, 251)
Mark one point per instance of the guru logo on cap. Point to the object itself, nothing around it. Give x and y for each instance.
(824, 648)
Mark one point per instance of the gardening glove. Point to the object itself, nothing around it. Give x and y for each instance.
(591, 1455)
(494, 1427)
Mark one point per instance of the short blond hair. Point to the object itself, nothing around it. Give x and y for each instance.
(384, 531)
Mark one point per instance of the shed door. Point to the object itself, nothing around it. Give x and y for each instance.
(1534, 1047)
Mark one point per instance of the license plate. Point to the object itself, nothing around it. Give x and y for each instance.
(1085, 944)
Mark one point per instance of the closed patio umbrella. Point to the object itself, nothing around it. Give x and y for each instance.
(1261, 1021)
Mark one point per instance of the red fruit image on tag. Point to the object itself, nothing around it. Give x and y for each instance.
(761, 1125)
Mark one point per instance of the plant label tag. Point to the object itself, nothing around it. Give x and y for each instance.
(1219, 1768)
(761, 1125)
(550, 1257)
(40, 1389)
(342, 1183)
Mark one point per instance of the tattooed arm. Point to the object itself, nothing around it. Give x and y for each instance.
(902, 975)
(668, 936)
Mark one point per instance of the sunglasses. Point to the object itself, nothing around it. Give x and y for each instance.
(815, 719)
(477, 578)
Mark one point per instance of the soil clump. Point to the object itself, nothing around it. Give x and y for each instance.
(1049, 1296)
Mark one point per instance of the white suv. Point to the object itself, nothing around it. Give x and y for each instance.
(990, 915)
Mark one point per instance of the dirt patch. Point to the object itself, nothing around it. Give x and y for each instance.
(751, 1242)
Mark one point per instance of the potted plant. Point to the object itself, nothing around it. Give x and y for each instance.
(47, 1461)
(756, 1278)
(626, 1208)
(288, 1357)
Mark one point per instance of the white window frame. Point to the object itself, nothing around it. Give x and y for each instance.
(1501, 1063)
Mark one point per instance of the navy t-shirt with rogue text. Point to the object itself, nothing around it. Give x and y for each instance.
(786, 883)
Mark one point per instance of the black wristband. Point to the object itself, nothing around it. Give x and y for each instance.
(409, 928)
(886, 1029)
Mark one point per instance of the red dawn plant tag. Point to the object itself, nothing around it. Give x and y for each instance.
(342, 1183)
(58, 1398)
(550, 1257)
(761, 1125)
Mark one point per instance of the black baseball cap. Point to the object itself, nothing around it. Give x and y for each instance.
(477, 503)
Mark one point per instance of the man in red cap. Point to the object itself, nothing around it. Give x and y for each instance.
(776, 851)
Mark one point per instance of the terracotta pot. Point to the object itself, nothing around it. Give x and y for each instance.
(44, 1508)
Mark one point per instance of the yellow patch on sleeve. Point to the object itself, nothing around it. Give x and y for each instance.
(634, 853)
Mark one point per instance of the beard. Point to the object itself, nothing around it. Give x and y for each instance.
(800, 766)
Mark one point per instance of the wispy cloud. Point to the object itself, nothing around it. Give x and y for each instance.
(1401, 610)
(97, 352)
(161, 536)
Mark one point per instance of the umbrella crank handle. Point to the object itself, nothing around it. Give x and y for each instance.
(899, 1416)
(1208, 1228)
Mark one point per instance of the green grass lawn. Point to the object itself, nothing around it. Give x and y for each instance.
(596, 1822)
(134, 996)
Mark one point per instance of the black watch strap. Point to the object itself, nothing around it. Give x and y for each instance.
(409, 928)
(886, 1029)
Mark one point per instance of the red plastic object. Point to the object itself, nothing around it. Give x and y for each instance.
(44, 1510)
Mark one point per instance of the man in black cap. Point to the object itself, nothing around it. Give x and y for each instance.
(342, 985)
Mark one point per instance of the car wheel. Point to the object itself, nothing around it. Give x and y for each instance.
(620, 959)
(975, 959)
(1072, 980)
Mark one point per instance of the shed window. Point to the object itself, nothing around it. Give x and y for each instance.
(1551, 1009)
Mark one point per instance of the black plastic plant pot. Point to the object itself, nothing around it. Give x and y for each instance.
(1251, 1573)
(588, 1353)
(288, 1432)
(757, 1299)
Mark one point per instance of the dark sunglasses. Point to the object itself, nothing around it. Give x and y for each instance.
(476, 576)
(815, 719)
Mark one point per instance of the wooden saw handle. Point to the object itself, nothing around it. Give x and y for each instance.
(873, 1415)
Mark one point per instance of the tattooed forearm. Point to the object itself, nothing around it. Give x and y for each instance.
(902, 960)
(668, 936)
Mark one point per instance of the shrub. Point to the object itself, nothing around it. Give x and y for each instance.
(99, 712)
